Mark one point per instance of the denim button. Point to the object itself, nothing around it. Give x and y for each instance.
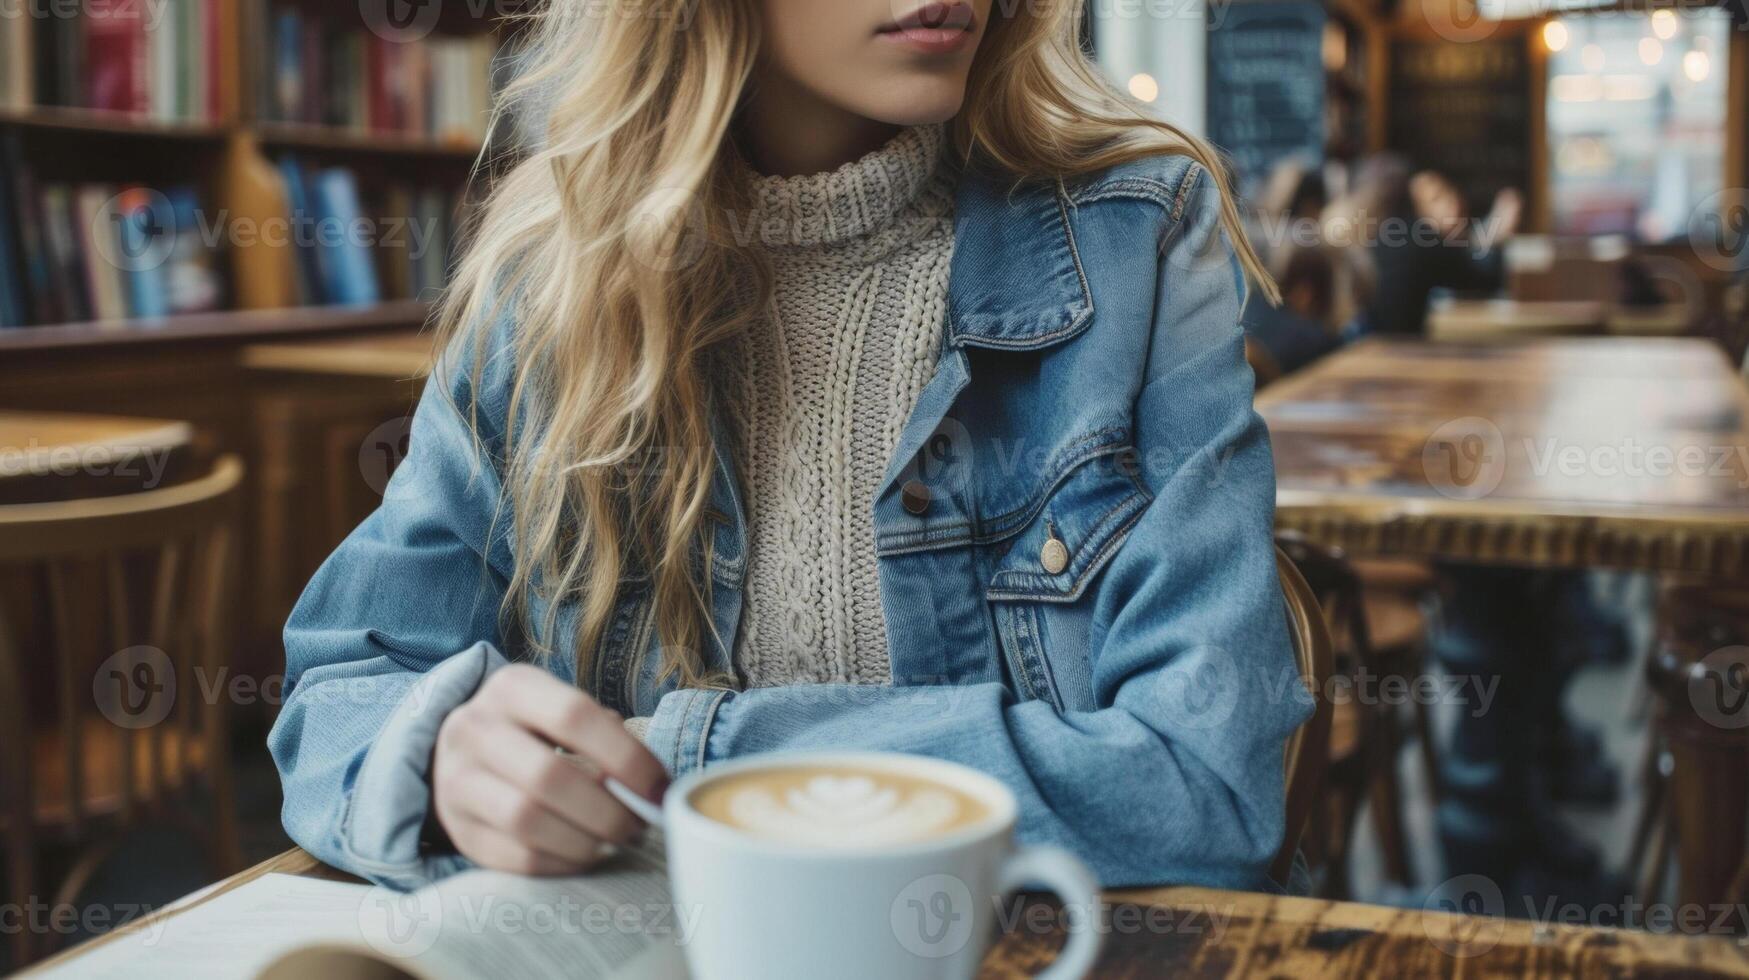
(1054, 556)
(915, 496)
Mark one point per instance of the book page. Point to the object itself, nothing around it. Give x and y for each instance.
(236, 934)
(617, 922)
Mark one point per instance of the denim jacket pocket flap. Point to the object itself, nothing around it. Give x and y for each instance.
(1071, 537)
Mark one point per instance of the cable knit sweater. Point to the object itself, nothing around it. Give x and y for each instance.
(818, 394)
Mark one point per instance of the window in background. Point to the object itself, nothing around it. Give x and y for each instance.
(1636, 119)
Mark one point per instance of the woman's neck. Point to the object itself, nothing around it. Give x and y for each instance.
(787, 131)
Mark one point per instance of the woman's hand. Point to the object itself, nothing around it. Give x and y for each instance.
(510, 802)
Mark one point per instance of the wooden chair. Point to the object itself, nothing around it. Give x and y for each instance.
(1308, 749)
(109, 723)
(1365, 739)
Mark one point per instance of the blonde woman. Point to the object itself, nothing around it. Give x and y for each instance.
(833, 373)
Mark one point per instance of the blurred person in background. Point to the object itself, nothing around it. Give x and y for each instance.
(1417, 237)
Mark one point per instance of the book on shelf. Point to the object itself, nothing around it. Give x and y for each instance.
(161, 60)
(98, 252)
(358, 245)
(326, 71)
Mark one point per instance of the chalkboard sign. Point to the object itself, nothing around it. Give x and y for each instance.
(1266, 84)
(1461, 107)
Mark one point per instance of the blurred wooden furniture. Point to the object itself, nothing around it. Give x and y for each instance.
(141, 591)
(1307, 753)
(53, 456)
(1508, 319)
(1203, 932)
(1578, 453)
(190, 368)
(331, 420)
(1366, 738)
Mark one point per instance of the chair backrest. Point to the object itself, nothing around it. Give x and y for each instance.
(136, 585)
(1308, 749)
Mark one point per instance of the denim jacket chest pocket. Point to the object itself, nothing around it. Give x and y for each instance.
(1047, 553)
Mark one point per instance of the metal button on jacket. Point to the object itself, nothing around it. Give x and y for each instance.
(915, 496)
(1054, 556)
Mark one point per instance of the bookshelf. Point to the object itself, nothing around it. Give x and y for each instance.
(284, 88)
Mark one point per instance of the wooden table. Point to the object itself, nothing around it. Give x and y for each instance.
(1571, 454)
(52, 455)
(1576, 453)
(1199, 932)
(1499, 319)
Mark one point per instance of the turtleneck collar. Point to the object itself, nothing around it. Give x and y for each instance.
(852, 201)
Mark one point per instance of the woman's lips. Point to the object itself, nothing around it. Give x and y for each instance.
(936, 28)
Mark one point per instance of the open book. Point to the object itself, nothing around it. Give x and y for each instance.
(617, 923)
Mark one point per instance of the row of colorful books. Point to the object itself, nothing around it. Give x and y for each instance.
(336, 72)
(359, 246)
(159, 59)
(110, 253)
(100, 252)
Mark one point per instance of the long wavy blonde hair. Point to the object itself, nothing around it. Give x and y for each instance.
(611, 244)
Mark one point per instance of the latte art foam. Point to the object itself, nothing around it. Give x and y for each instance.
(838, 807)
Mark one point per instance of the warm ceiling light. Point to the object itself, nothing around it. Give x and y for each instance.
(1651, 52)
(1697, 66)
(1664, 24)
(1555, 35)
(1143, 87)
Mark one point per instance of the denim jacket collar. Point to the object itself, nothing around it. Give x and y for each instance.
(1016, 281)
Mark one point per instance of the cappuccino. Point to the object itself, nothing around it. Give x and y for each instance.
(838, 806)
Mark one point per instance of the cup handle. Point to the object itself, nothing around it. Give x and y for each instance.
(1063, 873)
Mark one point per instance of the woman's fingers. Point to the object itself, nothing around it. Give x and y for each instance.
(509, 810)
(558, 782)
(491, 848)
(567, 717)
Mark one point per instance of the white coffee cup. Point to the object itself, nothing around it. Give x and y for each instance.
(761, 908)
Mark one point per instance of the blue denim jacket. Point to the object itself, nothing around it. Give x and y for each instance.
(1087, 608)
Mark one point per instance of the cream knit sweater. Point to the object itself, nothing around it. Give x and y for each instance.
(818, 394)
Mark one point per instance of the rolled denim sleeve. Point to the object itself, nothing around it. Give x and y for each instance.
(397, 628)
(1177, 776)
